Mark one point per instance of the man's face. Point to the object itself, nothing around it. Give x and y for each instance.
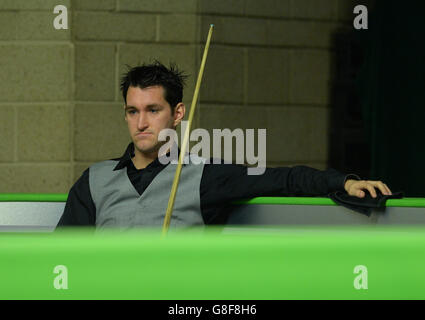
(147, 113)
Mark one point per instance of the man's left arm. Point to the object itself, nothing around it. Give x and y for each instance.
(229, 182)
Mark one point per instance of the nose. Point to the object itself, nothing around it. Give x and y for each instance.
(142, 122)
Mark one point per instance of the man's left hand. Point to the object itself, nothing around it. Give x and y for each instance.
(357, 188)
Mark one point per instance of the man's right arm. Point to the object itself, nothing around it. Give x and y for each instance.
(79, 209)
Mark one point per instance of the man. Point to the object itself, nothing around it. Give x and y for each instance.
(134, 190)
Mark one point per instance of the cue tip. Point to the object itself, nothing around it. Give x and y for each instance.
(212, 25)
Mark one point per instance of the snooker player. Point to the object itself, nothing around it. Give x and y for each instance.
(133, 190)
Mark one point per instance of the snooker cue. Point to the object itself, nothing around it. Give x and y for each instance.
(175, 185)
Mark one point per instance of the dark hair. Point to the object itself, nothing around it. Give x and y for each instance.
(156, 74)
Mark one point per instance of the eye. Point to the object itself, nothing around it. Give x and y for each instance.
(131, 112)
(154, 110)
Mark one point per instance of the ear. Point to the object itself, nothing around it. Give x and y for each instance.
(179, 112)
(125, 114)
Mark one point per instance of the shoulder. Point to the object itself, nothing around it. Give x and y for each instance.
(107, 164)
(217, 167)
(84, 179)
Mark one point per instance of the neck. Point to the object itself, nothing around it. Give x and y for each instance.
(142, 160)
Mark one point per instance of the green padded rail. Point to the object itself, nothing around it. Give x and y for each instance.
(289, 263)
(406, 202)
(59, 197)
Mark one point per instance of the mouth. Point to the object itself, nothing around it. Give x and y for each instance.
(142, 134)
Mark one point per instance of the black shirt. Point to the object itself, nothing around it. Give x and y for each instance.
(220, 185)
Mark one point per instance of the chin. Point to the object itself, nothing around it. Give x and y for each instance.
(143, 148)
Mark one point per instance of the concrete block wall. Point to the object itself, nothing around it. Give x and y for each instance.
(36, 84)
(60, 104)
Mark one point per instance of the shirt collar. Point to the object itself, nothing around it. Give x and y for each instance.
(125, 159)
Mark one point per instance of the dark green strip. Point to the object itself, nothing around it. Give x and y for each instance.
(406, 202)
(58, 197)
(33, 197)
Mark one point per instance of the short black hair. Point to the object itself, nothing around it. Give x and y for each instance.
(156, 74)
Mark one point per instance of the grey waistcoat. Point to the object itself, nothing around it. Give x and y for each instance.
(118, 204)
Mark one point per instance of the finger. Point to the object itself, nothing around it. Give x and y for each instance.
(360, 194)
(388, 189)
(371, 190)
(381, 186)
